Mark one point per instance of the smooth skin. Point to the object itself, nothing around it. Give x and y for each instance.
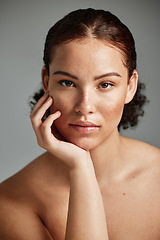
(91, 183)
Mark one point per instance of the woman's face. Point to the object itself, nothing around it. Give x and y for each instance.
(89, 84)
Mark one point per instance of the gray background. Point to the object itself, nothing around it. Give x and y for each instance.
(23, 27)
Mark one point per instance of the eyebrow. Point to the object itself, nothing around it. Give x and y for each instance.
(65, 74)
(110, 74)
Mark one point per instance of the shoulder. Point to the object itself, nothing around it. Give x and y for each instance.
(19, 221)
(142, 155)
(42, 173)
(24, 195)
(141, 149)
(17, 215)
(144, 163)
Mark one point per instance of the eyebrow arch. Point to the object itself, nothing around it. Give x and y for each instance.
(65, 74)
(110, 74)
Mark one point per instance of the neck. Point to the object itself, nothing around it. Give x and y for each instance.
(107, 157)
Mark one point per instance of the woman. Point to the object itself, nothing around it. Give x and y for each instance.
(91, 183)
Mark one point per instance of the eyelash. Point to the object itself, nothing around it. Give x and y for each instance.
(65, 82)
(68, 83)
(106, 83)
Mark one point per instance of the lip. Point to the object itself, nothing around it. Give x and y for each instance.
(84, 126)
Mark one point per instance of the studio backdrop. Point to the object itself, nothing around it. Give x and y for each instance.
(23, 28)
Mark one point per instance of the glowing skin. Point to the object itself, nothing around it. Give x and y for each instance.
(89, 84)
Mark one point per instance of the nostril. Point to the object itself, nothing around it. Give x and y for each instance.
(85, 103)
(84, 108)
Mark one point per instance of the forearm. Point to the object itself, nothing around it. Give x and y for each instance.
(86, 216)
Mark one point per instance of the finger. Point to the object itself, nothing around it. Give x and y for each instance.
(40, 102)
(47, 125)
(36, 119)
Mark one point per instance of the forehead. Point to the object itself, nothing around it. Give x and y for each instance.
(88, 54)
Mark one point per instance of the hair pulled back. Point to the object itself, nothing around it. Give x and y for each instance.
(105, 26)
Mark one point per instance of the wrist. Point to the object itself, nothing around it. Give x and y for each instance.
(83, 170)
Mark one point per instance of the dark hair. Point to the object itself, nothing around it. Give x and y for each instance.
(104, 26)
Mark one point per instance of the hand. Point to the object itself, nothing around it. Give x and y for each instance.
(49, 138)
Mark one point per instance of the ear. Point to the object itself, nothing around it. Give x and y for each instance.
(132, 87)
(45, 79)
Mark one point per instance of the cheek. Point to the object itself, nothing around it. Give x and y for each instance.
(59, 103)
(113, 110)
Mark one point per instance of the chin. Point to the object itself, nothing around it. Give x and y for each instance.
(85, 144)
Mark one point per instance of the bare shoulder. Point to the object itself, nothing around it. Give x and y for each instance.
(23, 196)
(142, 149)
(45, 173)
(19, 221)
(144, 157)
(44, 170)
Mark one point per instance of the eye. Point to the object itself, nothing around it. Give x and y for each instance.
(66, 83)
(105, 85)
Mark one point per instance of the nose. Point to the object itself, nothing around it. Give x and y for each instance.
(85, 102)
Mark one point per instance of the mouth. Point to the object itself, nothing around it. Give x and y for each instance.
(84, 126)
